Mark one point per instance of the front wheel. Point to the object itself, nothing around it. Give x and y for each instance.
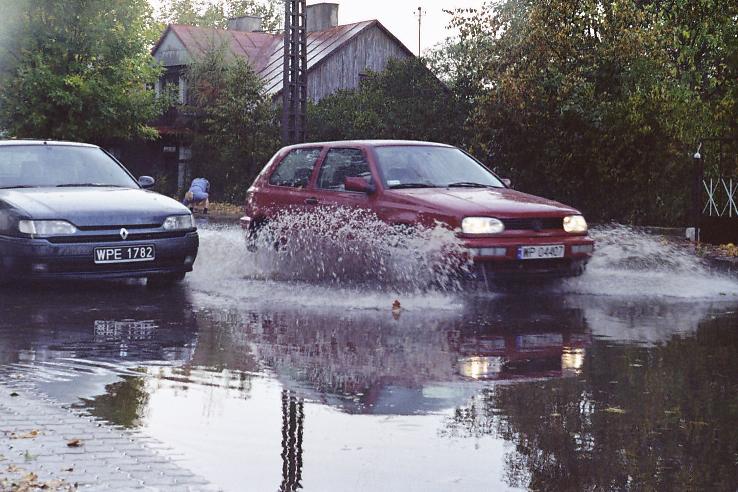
(165, 280)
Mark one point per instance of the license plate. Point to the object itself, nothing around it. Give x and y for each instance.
(541, 252)
(125, 254)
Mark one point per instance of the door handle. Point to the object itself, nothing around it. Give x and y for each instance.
(311, 201)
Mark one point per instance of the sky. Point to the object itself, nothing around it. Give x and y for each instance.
(400, 17)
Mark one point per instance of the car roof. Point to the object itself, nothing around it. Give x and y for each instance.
(368, 143)
(45, 142)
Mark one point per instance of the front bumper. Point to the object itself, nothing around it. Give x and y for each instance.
(40, 259)
(498, 257)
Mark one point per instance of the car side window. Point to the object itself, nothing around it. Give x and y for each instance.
(340, 164)
(296, 168)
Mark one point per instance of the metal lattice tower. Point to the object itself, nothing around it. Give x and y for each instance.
(294, 87)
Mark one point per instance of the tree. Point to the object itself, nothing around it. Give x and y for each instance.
(600, 104)
(235, 125)
(405, 101)
(78, 70)
(206, 13)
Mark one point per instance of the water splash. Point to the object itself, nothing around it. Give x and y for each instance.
(629, 262)
(369, 262)
(354, 247)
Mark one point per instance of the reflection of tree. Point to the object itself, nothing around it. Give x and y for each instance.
(293, 418)
(659, 418)
(123, 403)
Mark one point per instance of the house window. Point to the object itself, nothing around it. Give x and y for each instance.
(173, 80)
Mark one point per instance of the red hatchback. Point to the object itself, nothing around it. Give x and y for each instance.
(421, 183)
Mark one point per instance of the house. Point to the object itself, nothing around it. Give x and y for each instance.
(337, 58)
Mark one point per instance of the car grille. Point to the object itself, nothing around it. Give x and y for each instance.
(115, 237)
(534, 224)
(118, 227)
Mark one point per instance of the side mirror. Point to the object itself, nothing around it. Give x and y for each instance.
(357, 184)
(146, 181)
(507, 182)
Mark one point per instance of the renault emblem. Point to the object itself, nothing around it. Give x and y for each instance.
(124, 234)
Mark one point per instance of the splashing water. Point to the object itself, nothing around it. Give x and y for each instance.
(354, 250)
(354, 247)
(629, 262)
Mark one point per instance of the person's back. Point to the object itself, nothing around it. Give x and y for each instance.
(198, 194)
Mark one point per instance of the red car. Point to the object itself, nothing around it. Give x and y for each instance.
(411, 183)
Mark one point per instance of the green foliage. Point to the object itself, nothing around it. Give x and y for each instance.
(78, 70)
(599, 104)
(207, 13)
(405, 101)
(235, 125)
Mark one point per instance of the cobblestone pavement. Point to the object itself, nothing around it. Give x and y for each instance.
(44, 445)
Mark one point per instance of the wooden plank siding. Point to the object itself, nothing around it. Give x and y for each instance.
(370, 50)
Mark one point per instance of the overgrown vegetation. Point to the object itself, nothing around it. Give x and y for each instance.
(77, 70)
(209, 13)
(598, 103)
(405, 101)
(235, 126)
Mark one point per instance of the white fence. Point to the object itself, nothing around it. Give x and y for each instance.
(721, 197)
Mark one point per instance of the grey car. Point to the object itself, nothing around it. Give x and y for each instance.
(72, 211)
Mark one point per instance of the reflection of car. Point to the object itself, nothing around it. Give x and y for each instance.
(70, 210)
(412, 183)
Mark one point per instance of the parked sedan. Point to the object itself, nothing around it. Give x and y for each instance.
(507, 232)
(71, 211)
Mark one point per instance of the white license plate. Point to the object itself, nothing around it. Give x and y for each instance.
(125, 254)
(541, 252)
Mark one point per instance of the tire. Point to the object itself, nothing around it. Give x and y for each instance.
(164, 281)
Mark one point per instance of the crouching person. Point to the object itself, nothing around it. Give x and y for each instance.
(197, 195)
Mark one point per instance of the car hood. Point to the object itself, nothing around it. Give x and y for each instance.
(496, 202)
(89, 207)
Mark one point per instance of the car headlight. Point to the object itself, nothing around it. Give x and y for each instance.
(179, 222)
(575, 223)
(46, 227)
(482, 225)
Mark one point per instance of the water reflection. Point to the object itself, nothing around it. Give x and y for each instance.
(551, 392)
(642, 417)
(293, 419)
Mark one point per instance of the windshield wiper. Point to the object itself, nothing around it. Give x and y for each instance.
(468, 184)
(96, 185)
(17, 186)
(411, 185)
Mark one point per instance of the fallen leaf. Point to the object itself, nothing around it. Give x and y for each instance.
(74, 443)
(28, 435)
(14, 394)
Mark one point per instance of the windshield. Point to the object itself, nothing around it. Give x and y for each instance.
(415, 166)
(30, 166)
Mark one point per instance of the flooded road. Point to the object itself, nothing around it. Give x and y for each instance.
(625, 378)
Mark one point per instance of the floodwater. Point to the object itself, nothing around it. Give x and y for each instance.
(625, 378)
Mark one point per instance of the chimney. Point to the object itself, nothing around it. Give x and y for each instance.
(245, 23)
(321, 16)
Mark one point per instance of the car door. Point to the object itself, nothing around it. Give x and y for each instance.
(288, 186)
(340, 163)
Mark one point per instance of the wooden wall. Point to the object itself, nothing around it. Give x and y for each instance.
(371, 49)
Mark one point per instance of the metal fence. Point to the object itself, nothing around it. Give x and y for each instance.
(716, 190)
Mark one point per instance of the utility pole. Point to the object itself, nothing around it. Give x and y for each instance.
(294, 77)
(420, 13)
